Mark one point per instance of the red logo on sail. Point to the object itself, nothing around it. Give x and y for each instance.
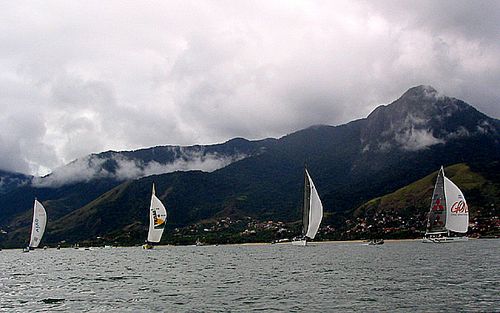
(459, 207)
(438, 206)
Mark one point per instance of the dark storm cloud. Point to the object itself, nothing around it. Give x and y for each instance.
(87, 76)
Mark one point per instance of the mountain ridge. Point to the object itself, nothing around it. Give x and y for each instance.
(350, 164)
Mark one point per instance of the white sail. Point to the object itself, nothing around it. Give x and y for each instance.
(157, 218)
(457, 212)
(39, 223)
(315, 210)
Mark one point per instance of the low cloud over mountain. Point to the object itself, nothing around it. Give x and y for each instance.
(94, 167)
(126, 165)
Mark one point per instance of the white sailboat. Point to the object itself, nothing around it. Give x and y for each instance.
(448, 212)
(37, 226)
(312, 212)
(157, 220)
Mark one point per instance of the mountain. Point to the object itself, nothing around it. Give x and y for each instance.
(422, 118)
(395, 145)
(418, 133)
(124, 165)
(81, 181)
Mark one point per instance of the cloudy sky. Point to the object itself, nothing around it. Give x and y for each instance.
(78, 77)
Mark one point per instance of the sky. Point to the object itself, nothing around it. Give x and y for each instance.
(80, 77)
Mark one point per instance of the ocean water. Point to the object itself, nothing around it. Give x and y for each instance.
(406, 276)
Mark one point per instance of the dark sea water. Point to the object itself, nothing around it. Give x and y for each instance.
(329, 277)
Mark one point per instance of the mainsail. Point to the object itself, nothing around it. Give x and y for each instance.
(39, 223)
(157, 218)
(313, 209)
(437, 213)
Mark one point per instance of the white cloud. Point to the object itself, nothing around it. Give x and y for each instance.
(460, 132)
(93, 167)
(485, 128)
(416, 139)
(80, 170)
(83, 77)
(130, 169)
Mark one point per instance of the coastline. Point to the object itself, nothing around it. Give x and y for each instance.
(313, 243)
(322, 242)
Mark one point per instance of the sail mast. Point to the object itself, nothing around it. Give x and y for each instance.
(307, 203)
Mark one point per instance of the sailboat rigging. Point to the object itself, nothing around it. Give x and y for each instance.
(448, 212)
(157, 220)
(312, 212)
(37, 226)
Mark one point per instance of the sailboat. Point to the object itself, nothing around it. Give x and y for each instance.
(312, 213)
(38, 225)
(157, 220)
(448, 212)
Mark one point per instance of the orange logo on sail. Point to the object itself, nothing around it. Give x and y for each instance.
(459, 207)
(157, 221)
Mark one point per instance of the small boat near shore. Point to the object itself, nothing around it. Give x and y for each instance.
(375, 242)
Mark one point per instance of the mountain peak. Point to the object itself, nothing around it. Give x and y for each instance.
(419, 98)
(422, 117)
(422, 91)
(420, 101)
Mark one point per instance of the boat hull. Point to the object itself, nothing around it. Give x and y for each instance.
(444, 239)
(299, 242)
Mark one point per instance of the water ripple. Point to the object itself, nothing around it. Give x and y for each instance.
(397, 277)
